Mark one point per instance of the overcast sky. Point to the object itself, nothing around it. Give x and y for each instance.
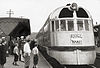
(38, 10)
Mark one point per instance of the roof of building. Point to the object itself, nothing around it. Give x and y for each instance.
(15, 26)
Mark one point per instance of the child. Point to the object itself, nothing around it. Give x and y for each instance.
(35, 53)
(16, 53)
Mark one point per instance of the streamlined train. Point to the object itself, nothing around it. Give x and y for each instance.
(67, 37)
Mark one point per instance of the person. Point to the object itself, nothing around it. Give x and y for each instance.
(2, 52)
(16, 54)
(27, 52)
(21, 44)
(63, 27)
(35, 53)
(32, 44)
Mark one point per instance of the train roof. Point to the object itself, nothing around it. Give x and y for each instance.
(67, 12)
(15, 26)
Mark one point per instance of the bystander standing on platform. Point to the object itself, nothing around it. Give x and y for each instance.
(27, 52)
(2, 52)
(35, 54)
(16, 54)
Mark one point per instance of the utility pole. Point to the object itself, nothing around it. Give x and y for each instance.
(10, 13)
(96, 23)
(21, 16)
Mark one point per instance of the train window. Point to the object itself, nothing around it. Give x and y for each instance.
(63, 25)
(80, 25)
(65, 12)
(57, 25)
(52, 26)
(46, 28)
(82, 13)
(86, 25)
(70, 25)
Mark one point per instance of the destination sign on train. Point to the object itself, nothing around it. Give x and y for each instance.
(76, 39)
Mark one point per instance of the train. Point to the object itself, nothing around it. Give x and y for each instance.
(67, 37)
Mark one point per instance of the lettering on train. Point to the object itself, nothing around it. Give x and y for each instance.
(76, 39)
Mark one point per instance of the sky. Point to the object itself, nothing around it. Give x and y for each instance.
(38, 10)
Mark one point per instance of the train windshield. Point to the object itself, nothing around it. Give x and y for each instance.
(63, 25)
(83, 25)
(80, 25)
(69, 25)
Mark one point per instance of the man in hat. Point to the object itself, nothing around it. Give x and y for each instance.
(27, 52)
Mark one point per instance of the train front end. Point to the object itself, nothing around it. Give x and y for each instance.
(72, 38)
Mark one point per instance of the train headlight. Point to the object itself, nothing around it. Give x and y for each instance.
(73, 6)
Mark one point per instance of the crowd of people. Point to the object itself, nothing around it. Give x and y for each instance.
(27, 46)
(21, 51)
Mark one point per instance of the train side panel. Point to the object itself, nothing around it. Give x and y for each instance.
(76, 57)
